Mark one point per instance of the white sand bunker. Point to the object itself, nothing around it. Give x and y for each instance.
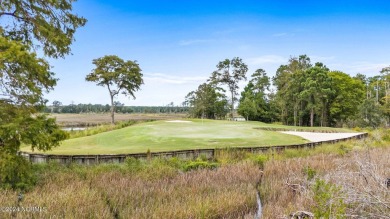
(178, 121)
(315, 137)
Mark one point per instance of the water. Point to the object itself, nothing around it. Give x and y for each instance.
(259, 207)
(74, 128)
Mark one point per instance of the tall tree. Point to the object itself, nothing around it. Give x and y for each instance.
(255, 96)
(349, 93)
(118, 76)
(317, 91)
(230, 73)
(289, 82)
(207, 101)
(26, 26)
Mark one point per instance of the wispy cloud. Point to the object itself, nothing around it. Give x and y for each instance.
(321, 58)
(169, 79)
(267, 59)
(367, 68)
(279, 34)
(194, 41)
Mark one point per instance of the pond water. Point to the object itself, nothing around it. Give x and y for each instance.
(73, 128)
(259, 207)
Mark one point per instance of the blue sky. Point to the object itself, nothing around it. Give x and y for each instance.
(178, 43)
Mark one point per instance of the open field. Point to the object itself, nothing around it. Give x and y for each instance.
(93, 119)
(166, 136)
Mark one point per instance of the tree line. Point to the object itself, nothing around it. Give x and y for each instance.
(58, 107)
(301, 94)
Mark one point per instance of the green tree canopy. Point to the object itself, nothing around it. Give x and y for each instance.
(119, 76)
(230, 73)
(49, 24)
(317, 90)
(253, 102)
(207, 101)
(25, 27)
(349, 93)
(289, 83)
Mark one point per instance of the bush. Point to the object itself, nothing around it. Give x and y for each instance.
(133, 164)
(199, 164)
(259, 159)
(328, 201)
(15, 172)
(309, 172)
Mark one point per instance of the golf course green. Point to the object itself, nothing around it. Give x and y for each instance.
(174, 135)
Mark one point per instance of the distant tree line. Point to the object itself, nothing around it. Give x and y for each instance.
(57, 107)
(300, 94)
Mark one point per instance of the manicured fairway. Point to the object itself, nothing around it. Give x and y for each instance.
(175, 135)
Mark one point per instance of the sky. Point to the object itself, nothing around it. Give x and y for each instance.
(178, 44)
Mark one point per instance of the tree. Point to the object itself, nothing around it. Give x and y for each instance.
(317, 90)
(349, 93)
(48, 24)
(289, 82)
(25, 27)
(207, 102)
(56, 106)
(247, 108)
(118, 76)
(230, 73)
(253, 102)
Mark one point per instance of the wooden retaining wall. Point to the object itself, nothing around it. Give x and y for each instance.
(184, 154)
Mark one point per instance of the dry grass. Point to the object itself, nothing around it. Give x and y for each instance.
(158, 191)
(93, 119)
(357, 179)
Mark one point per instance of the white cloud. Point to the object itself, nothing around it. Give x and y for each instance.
(169, 79)
(267, 59)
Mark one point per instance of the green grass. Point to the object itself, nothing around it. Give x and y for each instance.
(166, 136)
(303, 128)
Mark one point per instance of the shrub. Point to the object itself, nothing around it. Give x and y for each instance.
(309, 172)
(328, 201)
(259, 159)
(199, 164)
(133, 164)
(15, 172)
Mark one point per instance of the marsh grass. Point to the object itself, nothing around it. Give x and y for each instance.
(102, 128)
(343, 180)
(141, 189)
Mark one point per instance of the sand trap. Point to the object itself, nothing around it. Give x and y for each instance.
(315, 137)
(178, 121)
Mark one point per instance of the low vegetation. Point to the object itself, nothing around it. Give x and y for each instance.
(140, 189)
(346, 180)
